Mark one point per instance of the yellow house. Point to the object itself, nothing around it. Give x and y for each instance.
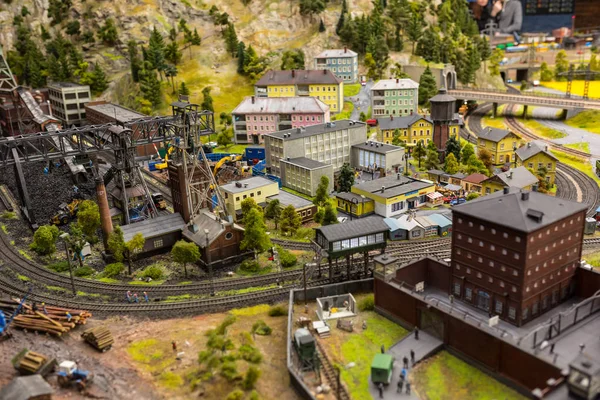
(257, 188)
(412, 129)
(395, 194)
(535, 155)
(354, 204)
(322, 84)
(519, 177)
(501, 143)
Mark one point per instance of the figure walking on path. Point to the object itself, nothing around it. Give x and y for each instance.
(135, 298)
(416, 333)
(400, 384)
(404, 373)
(128, 295)
(407, 387)
(174, 345)
(380, 388)
(405, 362)
(412, 356)
(146, 297)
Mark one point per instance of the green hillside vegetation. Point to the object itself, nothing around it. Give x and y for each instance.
(588, 120)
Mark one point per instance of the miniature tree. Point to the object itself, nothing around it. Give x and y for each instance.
(329, 215)
(451, 165)
(44, 239)
(255, 236)
(433, 159)
(290, 220)
(88, 218)
(225, 137)
(396, 141)
(322, 195)
(185, 252)
(116, 244)
(453, 146)
(495, 60)
(362, 117)
(467, 152)
(207, 102)
(486, 157)
(419, 152)
(273, 211)
(133, 247)
(346, 178)
(475, 165)
(561, 65)
(247, 205)
(77, 241)
(292, 59)
(251, 377)
(546, 73)
(427, 87)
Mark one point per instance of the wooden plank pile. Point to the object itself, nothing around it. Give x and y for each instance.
(99, 337)
(54, 320)
(29, 362)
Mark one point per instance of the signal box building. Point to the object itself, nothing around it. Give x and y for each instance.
(514, 254)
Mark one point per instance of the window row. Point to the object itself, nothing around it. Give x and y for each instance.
(486, 302)
(358, 242)
(560, 257)
(488, 278)
(550, 278)
(549, 231)
(491, 247)
(493, 231)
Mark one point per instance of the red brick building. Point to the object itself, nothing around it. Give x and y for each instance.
(514, 254)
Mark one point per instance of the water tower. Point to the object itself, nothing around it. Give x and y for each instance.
(442, 114)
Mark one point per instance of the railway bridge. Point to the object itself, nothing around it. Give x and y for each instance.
(529, 99)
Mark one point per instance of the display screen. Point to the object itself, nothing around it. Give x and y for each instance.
(541, 7)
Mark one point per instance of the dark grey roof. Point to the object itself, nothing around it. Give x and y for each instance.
(493, 134)
(25, 388)
(207, 220)
(378, 147)
(395, 185)
(436, 172)
(400, 122)
(442, 96)
(385, 259)
(114, 111)
(517, 177)
(247, 184)
(352, 196)
(298, 77)
(458, 175)
(307, 131)
(286, 199)
(355, 228)
(67, 85)
(511, 210)
(531, 149)
(331, 53)
(154, 227)
(304, 162)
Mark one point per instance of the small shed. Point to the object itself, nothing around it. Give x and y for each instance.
(443, 223)
(435, 199)
(453, 188)
(160, 233)
(32, 387)
(404, 228)
(431, 228)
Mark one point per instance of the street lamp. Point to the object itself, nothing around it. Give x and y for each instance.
(210, 271)
(515, 154)
(65, 237)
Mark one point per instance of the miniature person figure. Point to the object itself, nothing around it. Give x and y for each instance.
(174, 345)
(581, 347)
(412, 356)
(416, 333)
(552, 348)
(364, 325)
(146, 297)
(75, 189)
(380, 388)
(400, 385)
(382, 349)
(44, 308)
(68, 316)
(407, 387)
(135, 298)
(128, 296)
(404, 373)
(405, 362)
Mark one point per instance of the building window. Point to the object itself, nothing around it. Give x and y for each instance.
(545, 302)
(479, 275)
(554, 296)
(229, 236)
(514, 289)
(491, 280)
(492, 264)
(479, 259)
(252, 194)
(512, 312)
(457, 289)
(493, 231)
(492, 247)
(468, 270)
(525, 313)
(518, 239)
(505, 235)
(498, 308)
(468, 293)
(470, 224)
(237, 198)
(501, 284)
(259, 192)
(480, 243)
(534, 308)
(158, 243)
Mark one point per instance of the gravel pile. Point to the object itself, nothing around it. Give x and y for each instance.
(47, 192)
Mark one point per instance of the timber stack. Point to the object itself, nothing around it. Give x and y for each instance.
(99, 337)
(29, 363)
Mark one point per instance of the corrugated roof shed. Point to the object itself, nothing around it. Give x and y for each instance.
(425, 222)
(440, 220)
(401, 223)
(25, 388)
(154, 227)
(352, 229)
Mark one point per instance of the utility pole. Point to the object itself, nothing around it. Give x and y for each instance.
(304, 279)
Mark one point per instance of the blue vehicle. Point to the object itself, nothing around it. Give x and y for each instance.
(68, 375)
(459, 200)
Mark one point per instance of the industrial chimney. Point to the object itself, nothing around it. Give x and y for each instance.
(345, 49)
(293, 73)
(252, 99)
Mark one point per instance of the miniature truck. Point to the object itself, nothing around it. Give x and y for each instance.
(381, 369)
(306, 348)
(29, 363)
(69, 375)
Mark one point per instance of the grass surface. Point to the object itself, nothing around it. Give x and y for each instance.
(593, 259)
(233, 149)
(587, 120)
(351, 89)
(346, 112)
(576, 88)
(151, 283)
(541, 130)
(497, 122)
(445, 377)
(581, 146)
(577, 163)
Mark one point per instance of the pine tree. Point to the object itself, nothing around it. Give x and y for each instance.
(171, 72)
(99, 81)
(415, 29)
(451, 164)
(429, 45)
(231, 40)
(329, 215)
(150, 85)
(342, 19)
(207, 102)
(419, 152)
(135, 64)
(346, 178)
(172, 53)
(156, 51)
(311, 7)
(453, 146)
(108, 33)
(485, 51)
(44, 34)
(183, 89)
(73, 28)
(427, 87)
(433, 159)
(241, 56)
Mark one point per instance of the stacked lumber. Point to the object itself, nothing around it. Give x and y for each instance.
(29, 362)
(99, 337)
(54, 321)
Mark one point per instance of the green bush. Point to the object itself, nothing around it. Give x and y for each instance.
(287, 259)
(251, 377)
(237, 394)
(44, 239)
(367, 304)
(9, 215)
(250, 266)
(254, 395)
(227, 322)
(155, 272)
(472, 196)
(261, 328)
(112, 270)
(84, 271)
(62, 266)
(250, 354)
(277, 311)
(229, 371)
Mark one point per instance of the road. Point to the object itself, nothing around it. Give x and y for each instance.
(362, 101)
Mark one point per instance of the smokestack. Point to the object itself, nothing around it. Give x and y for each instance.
(506, 189)
(524, 196)
(345, 49)
(397, 80)
(105, 221)
(293, 73)
(529, 145)
(252, 99)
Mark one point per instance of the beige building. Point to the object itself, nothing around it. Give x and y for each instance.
(376, 155)
(303, 174)
(328, 143)
(257, 188)
(68, 102)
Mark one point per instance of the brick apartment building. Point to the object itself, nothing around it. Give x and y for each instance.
(514, 254)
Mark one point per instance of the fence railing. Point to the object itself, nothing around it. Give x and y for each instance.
(526, 94)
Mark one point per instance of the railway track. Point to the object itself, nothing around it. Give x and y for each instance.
(331, 374)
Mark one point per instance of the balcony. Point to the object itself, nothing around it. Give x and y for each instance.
(378, 106)
(240, 127)
(378, 93)
(241, 138)
(302, 92)
(378, 102)
(284, 125)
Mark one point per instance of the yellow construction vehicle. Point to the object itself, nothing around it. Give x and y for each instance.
(66, 212)
(163, 164)
(230, 159)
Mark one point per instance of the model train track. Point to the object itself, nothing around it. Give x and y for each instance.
(330, 373)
